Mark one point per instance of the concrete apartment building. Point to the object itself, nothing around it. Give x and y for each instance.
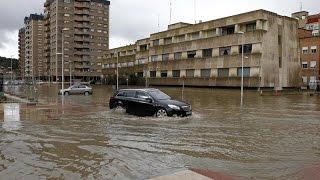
(209, 53)
(22, 54)
(309, 42)
(33, 40)
(84, 25)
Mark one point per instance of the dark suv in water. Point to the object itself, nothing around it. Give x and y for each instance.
(148, 102)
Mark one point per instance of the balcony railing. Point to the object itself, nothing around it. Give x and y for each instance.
(82, 12)
(82, 4)
(82, 39)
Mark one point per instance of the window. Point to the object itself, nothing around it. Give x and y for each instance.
(224, 51)
(313, 49)
(227, 30)
(143, 47)
(247, 48)
(66, 1)
(153, 73)
(207, 53)
(246, 72)
(191, 54)
(223, 72)
(305, 50)
(304, 79)
(156, 42)
(205, 73)
(168, 40)
(195, 35)
(180, 38)
(177, 55)
(176, 73)
(164, 74)
(130, 94)
(280, 62)
(154, 58)
(190, 73)
(313, 64)
(140, 74)
(141, 95)
(251, 27)
(315, 33)
(165, 57)
(66, 15)
(304, 65)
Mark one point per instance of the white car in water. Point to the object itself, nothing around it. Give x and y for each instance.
(77, 89)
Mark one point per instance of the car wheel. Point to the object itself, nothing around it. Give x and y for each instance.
(66, 93)
(161, 113)
(86, 93)
(120, 105)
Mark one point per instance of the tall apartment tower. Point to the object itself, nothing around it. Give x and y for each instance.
(34, 37)
(83, 26)
(22, 47)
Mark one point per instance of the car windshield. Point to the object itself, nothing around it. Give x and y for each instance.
(157, 94)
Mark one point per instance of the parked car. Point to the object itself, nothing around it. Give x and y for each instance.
(149, 102)
(77, 89)
(314, 85)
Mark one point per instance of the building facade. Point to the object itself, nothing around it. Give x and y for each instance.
(22, 54)
(210, 53)
(83, 26)
(309, 40)
(33, 39)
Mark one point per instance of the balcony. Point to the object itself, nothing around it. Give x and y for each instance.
(81, 39)
(82, 18)
(82, 66)
(82, 25)
(81, 32)
(82, 52)
(82, 12)
(82, 46)
(82, 5)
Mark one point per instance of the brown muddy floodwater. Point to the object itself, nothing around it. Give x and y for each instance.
(272, 137)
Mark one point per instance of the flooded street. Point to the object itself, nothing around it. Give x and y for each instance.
(79, 137)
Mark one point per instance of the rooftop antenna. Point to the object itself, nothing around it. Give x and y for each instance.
(195, 12)
(300, 5)
(170, 11)
(158, 22)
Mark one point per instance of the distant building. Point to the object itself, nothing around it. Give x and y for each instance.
(85, 25)
(33, 40)
(22, 54)
(209, 53)
(309, 41)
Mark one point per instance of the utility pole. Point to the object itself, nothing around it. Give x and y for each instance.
(117, 71)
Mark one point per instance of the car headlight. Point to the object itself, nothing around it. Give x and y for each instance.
(174, 107)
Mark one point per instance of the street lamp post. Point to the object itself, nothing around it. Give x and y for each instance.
(11, 68)
(242, 57)
(70, 73)
(62, 58)
(117, 71)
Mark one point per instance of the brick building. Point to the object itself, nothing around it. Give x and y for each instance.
(309, 42)
(85, 27)
(21, 40)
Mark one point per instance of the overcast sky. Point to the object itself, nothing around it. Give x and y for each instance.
(134, 19)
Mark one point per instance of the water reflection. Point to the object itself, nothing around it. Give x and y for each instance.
(11, 121)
